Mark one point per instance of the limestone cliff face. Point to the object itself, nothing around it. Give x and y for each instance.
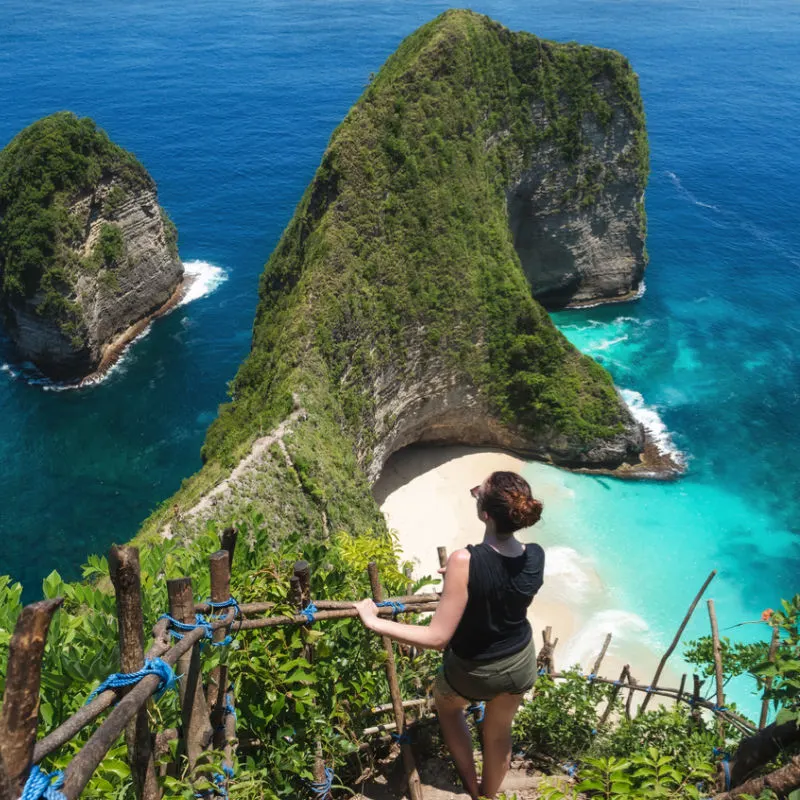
(108, 261)
(579, 227)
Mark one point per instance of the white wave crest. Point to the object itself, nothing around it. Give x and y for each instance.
(570, 575)
(653, 424)
(684, 192)
(202, 278)
(583, 646)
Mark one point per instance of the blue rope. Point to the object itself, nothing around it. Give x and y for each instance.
(402, 738)
(41, 785)
(323, 788)
(720, 708)
(590, 677)
(570, 768)
(308, 612)
(726, 766)
(648, 689)
(199, 622)
(542, 671)
(153, 666)
(229, 709)
(397, 608)
(479, 710)
(231, 602)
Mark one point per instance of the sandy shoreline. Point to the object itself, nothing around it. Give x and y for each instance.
(424, 494)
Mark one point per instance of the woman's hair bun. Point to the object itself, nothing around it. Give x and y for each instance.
(509, 502)
(525, 510)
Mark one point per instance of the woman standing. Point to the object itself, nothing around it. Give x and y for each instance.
(482, 625)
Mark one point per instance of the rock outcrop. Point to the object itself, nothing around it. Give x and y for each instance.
(86, 252)
(395, 308)
(579, 228)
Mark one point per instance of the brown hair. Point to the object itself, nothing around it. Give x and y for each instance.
(507, 499)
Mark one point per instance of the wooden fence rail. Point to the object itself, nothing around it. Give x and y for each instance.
(207, 711)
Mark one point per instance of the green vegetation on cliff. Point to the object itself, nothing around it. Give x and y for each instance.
(42, 171)
(399, 259)
(403, 237)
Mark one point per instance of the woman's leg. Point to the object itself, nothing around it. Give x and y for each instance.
(457, 737)
(496, 730)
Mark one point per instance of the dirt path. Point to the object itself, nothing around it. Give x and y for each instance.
(439, 783)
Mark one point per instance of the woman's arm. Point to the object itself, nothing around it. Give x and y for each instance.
(445, 620)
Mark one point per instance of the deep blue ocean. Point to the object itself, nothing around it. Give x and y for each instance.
(230, 106)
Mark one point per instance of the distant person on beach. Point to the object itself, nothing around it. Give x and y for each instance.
(481, 624)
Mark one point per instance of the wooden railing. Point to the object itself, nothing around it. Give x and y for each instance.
(207, 711)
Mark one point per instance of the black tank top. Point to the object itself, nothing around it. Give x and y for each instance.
(500, 589)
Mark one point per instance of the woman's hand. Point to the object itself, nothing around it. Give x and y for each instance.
(368, 612)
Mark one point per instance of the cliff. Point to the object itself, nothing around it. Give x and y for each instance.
(395, 308)
(86, 252)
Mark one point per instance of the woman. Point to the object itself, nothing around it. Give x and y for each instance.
(482, 622)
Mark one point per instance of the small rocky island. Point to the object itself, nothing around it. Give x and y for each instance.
(87, 255)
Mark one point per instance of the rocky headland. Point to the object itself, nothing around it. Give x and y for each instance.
(87, 255)
(397, 307)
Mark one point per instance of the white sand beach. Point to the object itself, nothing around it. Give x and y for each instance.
(424, 493)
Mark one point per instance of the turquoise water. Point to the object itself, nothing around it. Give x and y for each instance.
(230, 109)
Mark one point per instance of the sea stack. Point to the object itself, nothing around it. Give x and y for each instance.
(396, 309)
(87, 255)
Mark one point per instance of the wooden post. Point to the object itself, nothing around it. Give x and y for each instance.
(197, 731)
(773, 651)
(123, 567)
(596, 667)
(219, 564)
(633, 682)
(20, 713)
(301, 595)
(6, 792)
(544, 660)
(414, 786)
(227, 541)
(678, 635)
(712, 615)
(680, 690)
(442, 553)
(696, 697)
(614, 695)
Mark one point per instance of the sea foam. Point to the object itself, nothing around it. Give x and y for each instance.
(202, 279)
(653, 424)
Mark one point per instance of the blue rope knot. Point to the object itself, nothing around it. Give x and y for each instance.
(153, 666)
(229, 603)
(542, 671)
(323, 788)
(397, 608)
(570, 768)
(590, 677)
(41, 785)
(648, 689)
(308, 612)
(479, 710)
(617, 683)
(199, 622)
(402, 738)
(720, 708)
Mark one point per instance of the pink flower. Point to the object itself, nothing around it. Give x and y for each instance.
(766, 614)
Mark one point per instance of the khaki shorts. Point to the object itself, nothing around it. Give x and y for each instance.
(484, 680)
